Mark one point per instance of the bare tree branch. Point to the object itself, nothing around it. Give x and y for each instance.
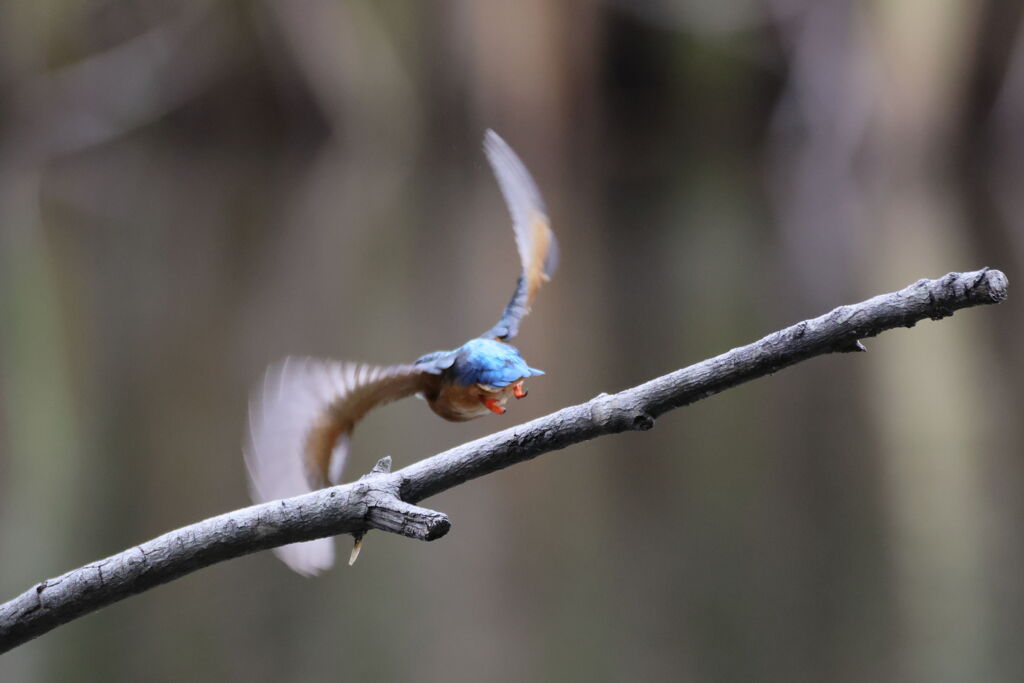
(386, 501)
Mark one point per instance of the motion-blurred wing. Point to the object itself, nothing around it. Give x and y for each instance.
(300, 422)
(538, 249)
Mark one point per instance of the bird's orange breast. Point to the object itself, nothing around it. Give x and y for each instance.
(459, 403)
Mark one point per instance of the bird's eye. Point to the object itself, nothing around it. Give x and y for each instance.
(488, 387)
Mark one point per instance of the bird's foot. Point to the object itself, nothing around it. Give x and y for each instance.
(518, 390)
(493, 406)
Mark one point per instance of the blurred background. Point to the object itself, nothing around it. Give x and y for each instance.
(189, 191)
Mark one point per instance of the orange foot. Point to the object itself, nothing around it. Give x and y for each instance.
(493, 406)
(517, 390)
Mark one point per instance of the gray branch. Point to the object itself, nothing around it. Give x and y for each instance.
(385, 500)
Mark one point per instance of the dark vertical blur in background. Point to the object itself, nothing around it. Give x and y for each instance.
(189, 191)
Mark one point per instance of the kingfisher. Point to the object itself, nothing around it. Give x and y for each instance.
(302, 416)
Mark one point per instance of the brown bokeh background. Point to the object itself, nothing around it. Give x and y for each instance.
(189, 191)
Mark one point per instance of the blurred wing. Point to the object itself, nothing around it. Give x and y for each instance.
(300, 422)
(538, 249)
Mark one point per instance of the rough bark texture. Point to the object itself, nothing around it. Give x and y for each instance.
(386, 501)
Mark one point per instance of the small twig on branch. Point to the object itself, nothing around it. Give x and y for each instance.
(386, 500)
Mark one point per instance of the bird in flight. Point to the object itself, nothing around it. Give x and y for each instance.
(302, 416)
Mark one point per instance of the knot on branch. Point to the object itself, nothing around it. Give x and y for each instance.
(386, 511)
(615, 413)
(390, 514)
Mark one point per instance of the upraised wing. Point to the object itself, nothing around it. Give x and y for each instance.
(538, 249)
(300, 422)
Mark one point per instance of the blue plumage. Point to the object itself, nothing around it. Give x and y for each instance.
(490, 362)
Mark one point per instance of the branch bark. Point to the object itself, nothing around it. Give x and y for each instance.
(386, 500)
